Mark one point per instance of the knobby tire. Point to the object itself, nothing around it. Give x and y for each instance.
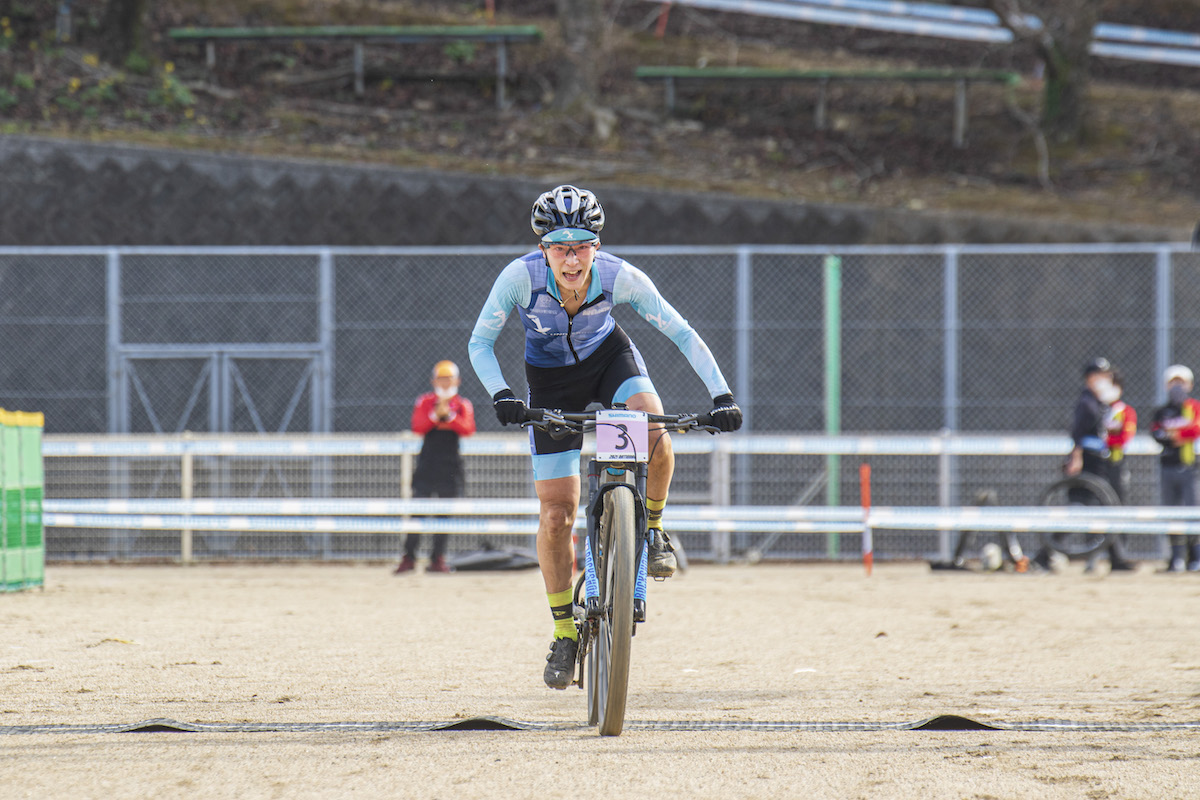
(608, 661)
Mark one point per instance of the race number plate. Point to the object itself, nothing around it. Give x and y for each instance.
(622, 436)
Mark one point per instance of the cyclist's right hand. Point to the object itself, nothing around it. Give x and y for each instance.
(509, 410)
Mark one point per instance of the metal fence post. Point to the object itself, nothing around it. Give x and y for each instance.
(1164, 316)
(743, 381)
(945, 483)
(720, 495)
(117, 385)
(118, 412)
(951, 388)
(185, 493)
(326, 277)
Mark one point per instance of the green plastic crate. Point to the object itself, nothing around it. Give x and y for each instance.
(22, 541)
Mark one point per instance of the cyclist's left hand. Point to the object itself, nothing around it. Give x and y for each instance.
(725, 413)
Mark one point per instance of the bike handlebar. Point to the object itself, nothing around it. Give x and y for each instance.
(558, 423)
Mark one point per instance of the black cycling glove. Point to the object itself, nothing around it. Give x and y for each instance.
(510, 410)
(725, 413)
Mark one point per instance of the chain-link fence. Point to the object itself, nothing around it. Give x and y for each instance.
(342, 340)
(813, 340)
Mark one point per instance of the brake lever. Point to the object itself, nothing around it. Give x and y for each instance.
(556, 432)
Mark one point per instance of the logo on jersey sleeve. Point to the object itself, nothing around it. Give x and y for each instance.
(497, 323)
(657, 320)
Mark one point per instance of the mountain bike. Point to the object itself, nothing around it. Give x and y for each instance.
(610, 594)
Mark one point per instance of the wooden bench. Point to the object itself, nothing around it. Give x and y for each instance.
(359, 35)
(961, 78)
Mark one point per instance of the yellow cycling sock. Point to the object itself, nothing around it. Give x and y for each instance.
(654, 510)
(562, 609)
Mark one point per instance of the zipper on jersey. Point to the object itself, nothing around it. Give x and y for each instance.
(571, 323)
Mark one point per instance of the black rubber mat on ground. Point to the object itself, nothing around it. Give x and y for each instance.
(945, 722)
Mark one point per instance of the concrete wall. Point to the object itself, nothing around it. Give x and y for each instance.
(68, 193)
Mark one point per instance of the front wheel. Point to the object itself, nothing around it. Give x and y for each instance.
(616, 570)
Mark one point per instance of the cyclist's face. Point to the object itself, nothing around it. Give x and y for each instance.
(571, 264)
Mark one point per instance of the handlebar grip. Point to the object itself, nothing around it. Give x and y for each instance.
(534, 414)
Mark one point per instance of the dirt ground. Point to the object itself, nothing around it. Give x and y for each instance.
(814, 643)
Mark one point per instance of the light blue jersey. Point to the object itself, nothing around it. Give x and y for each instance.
(554, 339)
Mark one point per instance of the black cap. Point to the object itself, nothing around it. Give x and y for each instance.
(1100, 364)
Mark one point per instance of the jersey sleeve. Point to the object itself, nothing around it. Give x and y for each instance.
(512, 288)
(634, 287)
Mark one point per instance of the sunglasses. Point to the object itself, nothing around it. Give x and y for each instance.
(562, 250)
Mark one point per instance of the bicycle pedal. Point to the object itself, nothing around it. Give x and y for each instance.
(658, 579)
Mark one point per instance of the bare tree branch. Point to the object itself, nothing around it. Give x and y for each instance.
(1061, 31)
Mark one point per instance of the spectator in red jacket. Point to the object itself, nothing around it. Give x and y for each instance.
(1176, 427)
(442, 417)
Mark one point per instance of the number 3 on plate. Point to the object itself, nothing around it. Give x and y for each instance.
(622, 436)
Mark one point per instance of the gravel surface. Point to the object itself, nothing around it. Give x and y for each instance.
(805, 643)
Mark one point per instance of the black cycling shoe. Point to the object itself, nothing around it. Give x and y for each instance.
(661, 562)
(560, 669)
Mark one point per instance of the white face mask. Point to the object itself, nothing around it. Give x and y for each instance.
(445, 392)
(1101, 387)
(1108, 394)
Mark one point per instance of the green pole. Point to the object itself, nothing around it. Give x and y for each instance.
(833, 387)
(10, 502)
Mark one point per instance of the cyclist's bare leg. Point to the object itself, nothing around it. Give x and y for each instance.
(559, 499)
(662, 562)
(662, 463)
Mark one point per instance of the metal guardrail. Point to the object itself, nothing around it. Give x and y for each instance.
(981, 16)
(1112, 41)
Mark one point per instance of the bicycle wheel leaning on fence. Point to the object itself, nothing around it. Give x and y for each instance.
(1083, 489)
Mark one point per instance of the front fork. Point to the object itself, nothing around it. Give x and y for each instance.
(598, 487)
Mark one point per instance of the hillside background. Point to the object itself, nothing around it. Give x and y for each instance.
(432, 108)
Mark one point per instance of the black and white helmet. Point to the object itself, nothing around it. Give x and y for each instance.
(566, 207)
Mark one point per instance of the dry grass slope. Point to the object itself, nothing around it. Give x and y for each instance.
(432, 107)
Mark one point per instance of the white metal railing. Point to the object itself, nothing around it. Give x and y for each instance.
(721, 519)
(407, 444)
